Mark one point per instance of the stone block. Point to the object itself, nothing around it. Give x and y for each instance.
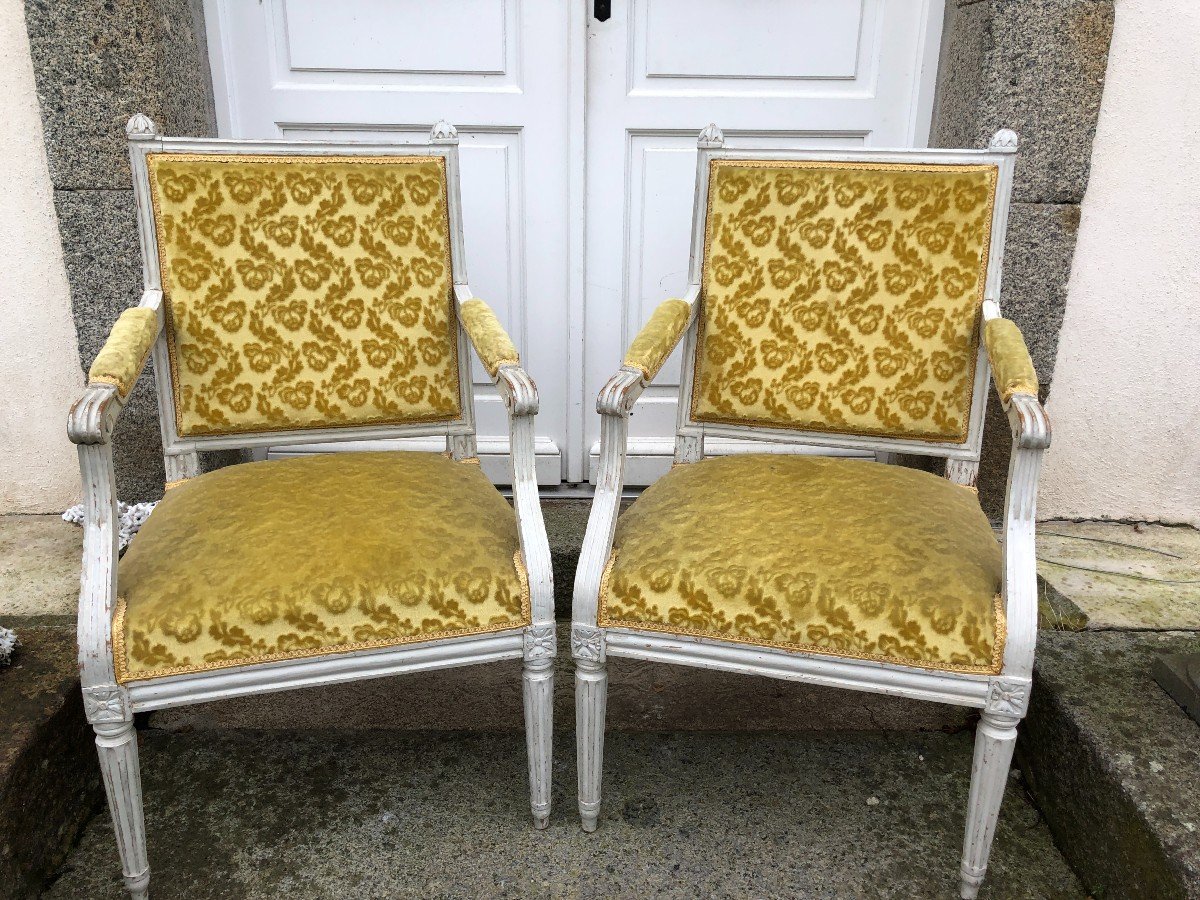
(49, 778)
(1037, 67)
(97, 62)
(1112, 760)
(1037, 267)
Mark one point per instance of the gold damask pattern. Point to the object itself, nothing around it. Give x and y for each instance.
(302, 557)
(843, 297)
(305, 291)
(832, 556)
(121, 359)
(1012, 367)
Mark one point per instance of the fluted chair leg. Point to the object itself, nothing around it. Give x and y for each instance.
(591, 698)
(116, 742)
(995, 739)
(538, 682)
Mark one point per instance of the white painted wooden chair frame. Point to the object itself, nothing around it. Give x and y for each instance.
(109, 706)
(1002, 698)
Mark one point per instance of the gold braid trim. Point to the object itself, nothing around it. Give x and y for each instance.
(120, 659)
(995, 668)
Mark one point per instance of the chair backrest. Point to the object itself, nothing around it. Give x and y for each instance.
(307, 288)
(841, 295)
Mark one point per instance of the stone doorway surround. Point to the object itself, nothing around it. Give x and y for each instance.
(1036, 66)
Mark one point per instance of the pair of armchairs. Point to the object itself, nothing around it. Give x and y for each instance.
(304, 292)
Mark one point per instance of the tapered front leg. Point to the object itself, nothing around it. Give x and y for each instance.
(538, 684)
(995, 739)
(116, 743)
(539, 731)
(591, 698)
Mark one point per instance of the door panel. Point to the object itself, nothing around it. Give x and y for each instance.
(779, 73)
(388, 70)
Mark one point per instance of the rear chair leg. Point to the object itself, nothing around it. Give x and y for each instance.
(538, 685)
(995, 739)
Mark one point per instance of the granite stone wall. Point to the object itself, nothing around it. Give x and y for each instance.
(96, 63)
(1037, 67)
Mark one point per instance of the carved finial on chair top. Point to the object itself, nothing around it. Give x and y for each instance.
(140, 127)
(1004, 141)
(711, 136)
(443, 133)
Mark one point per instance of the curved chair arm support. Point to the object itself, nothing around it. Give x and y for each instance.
(519, 393)
(614, 403)
(1030, 438)
(90, 425)
(521, 398)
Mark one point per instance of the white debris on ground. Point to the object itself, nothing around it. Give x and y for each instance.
(132, 516)
(8, 645)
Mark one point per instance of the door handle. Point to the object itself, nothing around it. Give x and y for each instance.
(602, 9)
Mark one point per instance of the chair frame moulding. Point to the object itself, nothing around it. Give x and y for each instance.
(110, 706)
(1002, 698)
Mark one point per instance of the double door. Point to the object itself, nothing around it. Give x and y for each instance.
(577, 121)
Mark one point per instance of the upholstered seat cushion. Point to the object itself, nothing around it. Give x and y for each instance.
(301, 557)
(833, 556)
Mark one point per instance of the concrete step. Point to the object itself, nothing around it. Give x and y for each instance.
(410, 814)
(1114, 763)
(49, 781)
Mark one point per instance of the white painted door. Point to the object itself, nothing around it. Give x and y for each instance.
(802, 73)
(390, 69)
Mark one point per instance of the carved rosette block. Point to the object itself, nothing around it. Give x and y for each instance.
(539, 641)
(1007, 697)
(106, 703)
(587, 643)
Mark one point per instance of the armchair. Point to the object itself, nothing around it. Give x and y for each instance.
(304, 292)
(841, 299)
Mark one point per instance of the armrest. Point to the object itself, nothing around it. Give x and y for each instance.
(123, 356)
(491, 341)
(519, 393)
(658, 337)
(114, 372)
(1012, 367)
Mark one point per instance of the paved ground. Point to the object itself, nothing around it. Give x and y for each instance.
(390, 814)
(39, 569)
(1136, 577)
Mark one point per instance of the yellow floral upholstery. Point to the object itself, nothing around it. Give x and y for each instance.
(301, 557)
(491, 341)
(830, 556)
(843, 297)
(1012, 368)
(305, 291)
(123, 355)
(658, 337)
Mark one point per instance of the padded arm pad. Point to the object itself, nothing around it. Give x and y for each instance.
(1012, 369)
(658, 337)
(123, 355)
(492, 343)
